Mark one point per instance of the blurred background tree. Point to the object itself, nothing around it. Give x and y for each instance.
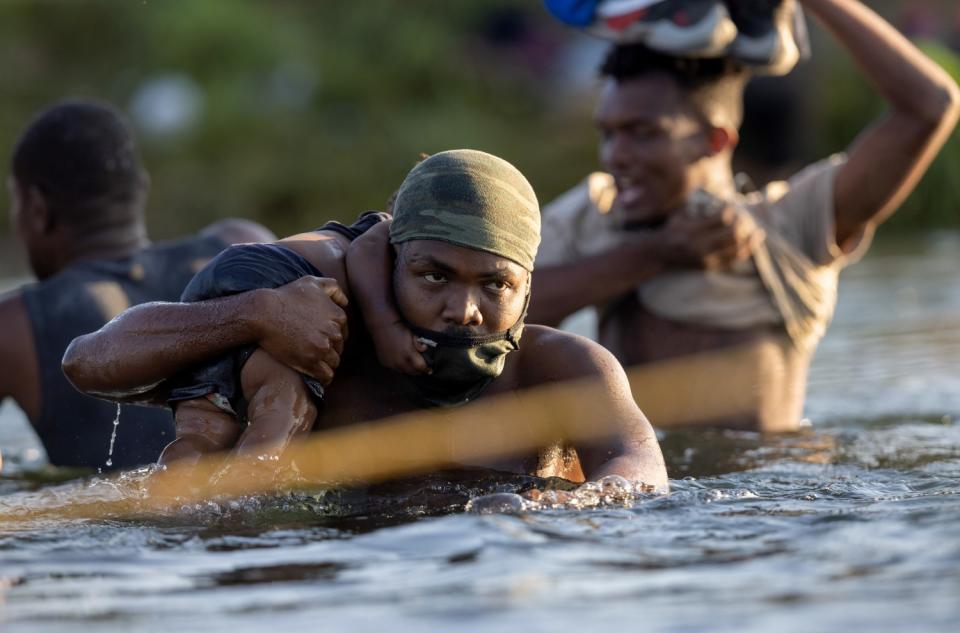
(292, 112)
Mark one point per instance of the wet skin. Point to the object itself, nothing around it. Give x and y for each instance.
(652, 146)
(279, 409)
(658, 151)
(302, 325)
(443, 287)
(52, 245)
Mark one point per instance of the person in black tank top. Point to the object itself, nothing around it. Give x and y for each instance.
(78, 192)
(75, 429)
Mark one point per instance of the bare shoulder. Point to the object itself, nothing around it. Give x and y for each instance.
(17, 350)
(551, 355)
(15, 330)
(239, 231)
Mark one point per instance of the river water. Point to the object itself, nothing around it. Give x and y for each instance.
(853, 525)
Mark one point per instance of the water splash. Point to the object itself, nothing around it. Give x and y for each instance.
(609, 491)
(113, 438)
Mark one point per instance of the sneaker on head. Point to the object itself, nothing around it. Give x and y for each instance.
(688, 28)
(767, 34)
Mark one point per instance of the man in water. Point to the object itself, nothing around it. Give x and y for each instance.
(673, 273)
(465, 232)
(77, 195)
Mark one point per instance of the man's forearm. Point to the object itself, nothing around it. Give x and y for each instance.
(151, 342)
(639, 469)
(559, 291)
(637, 456)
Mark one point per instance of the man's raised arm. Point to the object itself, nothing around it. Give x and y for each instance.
(887, 160)
(301, 325)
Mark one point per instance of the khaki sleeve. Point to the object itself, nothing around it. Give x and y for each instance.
(558, 227)
(805, 215)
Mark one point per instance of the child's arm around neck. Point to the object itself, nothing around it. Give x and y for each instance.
(370, 273)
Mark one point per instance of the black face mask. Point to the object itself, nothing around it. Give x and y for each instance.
(463, 366)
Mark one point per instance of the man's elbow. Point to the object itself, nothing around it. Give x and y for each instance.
(644, 469)
(952, 107)
(942, 109)
(74, 364)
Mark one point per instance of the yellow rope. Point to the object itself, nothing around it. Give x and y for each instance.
(672, 393)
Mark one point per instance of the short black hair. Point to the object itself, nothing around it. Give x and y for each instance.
(82, 157)
(713, 85)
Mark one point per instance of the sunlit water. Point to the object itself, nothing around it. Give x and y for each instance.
(852, 526)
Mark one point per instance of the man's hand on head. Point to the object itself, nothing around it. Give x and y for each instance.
(714, 242)
(303, 325)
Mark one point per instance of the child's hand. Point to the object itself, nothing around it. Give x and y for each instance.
(398, 349)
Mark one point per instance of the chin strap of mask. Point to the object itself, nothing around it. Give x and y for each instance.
(463, 366)
(441, 339)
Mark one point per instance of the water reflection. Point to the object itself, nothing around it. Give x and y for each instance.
(852, 524)
(711, 452)
(275, 573)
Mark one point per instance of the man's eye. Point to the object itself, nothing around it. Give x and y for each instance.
(435, 278)
(497, 286)
(645, 133)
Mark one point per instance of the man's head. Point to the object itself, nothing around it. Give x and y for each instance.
(466, 227)
(76, 177)
(665, 121)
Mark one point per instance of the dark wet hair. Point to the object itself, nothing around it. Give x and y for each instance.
(714, 86)
(82, 157)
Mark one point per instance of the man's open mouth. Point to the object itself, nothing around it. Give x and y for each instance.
(629, 191)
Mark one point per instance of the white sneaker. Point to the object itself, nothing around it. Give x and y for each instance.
(686, 28)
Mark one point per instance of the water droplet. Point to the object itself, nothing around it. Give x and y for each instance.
(113, 438)
(496, 503)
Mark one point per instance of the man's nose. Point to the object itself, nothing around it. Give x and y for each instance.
(615, 152)
(462, 308)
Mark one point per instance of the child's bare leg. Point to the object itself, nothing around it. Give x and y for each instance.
(279, 408)
(202, 428)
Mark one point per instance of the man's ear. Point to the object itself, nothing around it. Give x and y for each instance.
(37, 213)
(720, 139)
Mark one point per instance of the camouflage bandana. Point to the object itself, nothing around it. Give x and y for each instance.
(472, 199)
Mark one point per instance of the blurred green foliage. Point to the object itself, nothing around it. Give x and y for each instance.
(313, 110)
(383, 81)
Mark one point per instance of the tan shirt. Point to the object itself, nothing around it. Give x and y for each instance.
(791, 281)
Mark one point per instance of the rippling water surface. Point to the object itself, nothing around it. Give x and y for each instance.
(853, 524)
